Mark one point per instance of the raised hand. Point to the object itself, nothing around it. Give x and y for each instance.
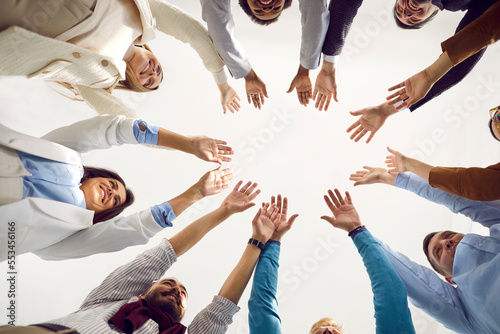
(229, 99)
(344, 213)
(209, 149)
(325, 86)
(265, 222)
(371, 120)
(256, 89)
(412, 90)
(284, 224)
(239, 200)
(396, 162)
(373, 175)
(215, 181)
(303, 84)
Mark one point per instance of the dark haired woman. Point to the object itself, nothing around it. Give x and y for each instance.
(53, 203)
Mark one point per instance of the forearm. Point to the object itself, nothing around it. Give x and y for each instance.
(315, 20)
(389, 293)
(417, 167)
(169, 139)
(194, 232)
(439, 68)
(237, 281)
(263, 315)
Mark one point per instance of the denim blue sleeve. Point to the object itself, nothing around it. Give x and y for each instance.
(163, 214)
(389, 293)
(263, 316)
(485, 213)
(147, 136)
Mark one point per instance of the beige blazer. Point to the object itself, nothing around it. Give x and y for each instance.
(28, 54)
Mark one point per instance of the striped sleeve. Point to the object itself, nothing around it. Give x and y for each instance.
(215, 318)
(134, 278)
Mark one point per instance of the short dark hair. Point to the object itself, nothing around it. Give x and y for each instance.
(246, 8)
(93, 172)
(426, 242)
(414, 26)
(490, 126)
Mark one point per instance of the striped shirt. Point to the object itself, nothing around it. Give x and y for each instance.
(127, 282)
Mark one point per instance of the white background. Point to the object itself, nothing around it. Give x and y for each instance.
(300, 155)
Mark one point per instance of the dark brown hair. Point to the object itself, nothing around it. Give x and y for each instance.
(93, 172)
(426, 242)
(246, 8)
(414, 26)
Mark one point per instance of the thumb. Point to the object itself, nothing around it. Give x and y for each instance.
(291, 88)
(330, 220)
(291, 220)
(356, 113)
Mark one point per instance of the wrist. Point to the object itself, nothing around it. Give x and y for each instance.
(223, 87)
(387, 109)
(257, 243)
(260, 237)
(303, 71)
(328, 66)
(251, 75)
(352, 229)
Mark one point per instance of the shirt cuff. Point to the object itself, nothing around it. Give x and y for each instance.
(274, 242)
(220, 77)
(402, 180)
(147, 136)
(330, 59)
(358, 231)
(163, 214)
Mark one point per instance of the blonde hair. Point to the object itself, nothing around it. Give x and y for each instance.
(131, 83)
(325, 322)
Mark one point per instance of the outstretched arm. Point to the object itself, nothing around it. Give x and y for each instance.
(397, 162)
(239, 200)
(371, 120)
(389, 294)
(263, 224)
(263, 315)
(325, 86)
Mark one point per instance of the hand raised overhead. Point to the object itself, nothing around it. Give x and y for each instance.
(344, 213)
(241, 199)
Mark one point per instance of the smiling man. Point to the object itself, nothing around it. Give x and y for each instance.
(221, 27)
(470, 263)
(135, 299)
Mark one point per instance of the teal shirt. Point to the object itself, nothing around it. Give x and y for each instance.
(389, 293)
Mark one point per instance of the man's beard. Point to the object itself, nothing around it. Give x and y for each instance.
(168, 306)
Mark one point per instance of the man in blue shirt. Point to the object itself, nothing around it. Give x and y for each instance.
(468, 302)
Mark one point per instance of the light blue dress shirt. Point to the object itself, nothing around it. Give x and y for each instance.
(486, 213)
(389, 294)
(60, 182)
(473, 305)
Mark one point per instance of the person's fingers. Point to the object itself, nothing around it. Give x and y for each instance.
(361, 135)
(371, 136)
(245, 187)
(339, 196)
(327, 104)
(330, 220)
(357, 132)
(335, 94)
(225, 159)
(348, 197)
(220, 142)
(315, 93)
(292, 220)
(353, 126)
(265, 93)
(251, 188)
(397, 86)
(334, 198)
(291, 88)
(357, 112)
(254, 194)
(329, 203)
(238, 185)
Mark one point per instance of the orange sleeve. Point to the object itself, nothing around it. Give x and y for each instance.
(478, 34)
(479, 184)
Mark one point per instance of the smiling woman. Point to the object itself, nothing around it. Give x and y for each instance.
(105, 193)
(94, 52)
(56, 201)
(264, 12)
(414, 14)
